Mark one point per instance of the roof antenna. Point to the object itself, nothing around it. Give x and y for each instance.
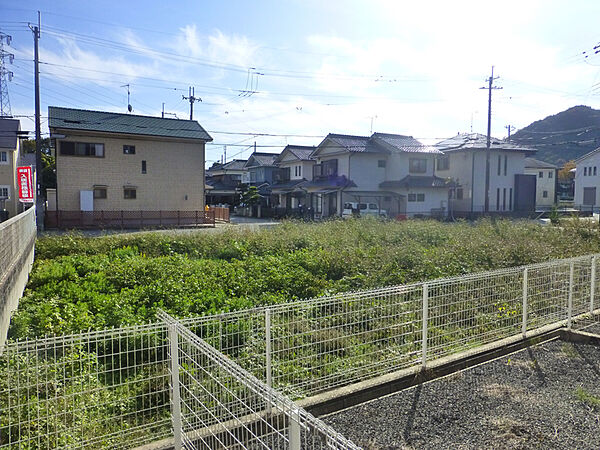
(129, 107)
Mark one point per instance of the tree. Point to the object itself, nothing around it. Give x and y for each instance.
(250, 196)
(565, 174)
(48, 162)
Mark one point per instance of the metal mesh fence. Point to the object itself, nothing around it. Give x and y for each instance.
(217, 404)
(105, 389)
(111, 388)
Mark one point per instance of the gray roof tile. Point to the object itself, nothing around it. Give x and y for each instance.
(8, 133)
(477, 141)
(533, 163)
(108, 122)
(400, 143)
(413, 181)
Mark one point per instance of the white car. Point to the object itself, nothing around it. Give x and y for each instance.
(362, 209)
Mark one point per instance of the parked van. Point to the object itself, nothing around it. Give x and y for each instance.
(362, 209)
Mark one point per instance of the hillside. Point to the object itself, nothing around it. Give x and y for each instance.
(563, 136)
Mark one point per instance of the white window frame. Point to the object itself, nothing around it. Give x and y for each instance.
(7, 187)
(5, 161)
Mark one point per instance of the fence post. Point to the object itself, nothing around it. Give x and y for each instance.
(268, 354)
(570, 300)
(525, 273)
(593, 284)
(294, 431)
(425, 320)
(175, 395)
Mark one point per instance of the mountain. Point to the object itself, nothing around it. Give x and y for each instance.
(563, 136)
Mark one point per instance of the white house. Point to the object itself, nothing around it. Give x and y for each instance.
(394, 171)
(464, 161)
(545, 187)
(587, 180)
(295, 170)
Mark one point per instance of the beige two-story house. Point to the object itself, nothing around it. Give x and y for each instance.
(123, 162)
(9, 160)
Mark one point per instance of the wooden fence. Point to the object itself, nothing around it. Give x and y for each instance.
(128, 219)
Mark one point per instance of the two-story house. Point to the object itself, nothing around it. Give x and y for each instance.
(394, 171)
(10, 154)
(295, 164)
(123, 162)
(464, 161)
(546, 182)
(587, 181)
(260, 170)
(224, 181)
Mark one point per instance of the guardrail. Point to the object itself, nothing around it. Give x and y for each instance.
(111, 388)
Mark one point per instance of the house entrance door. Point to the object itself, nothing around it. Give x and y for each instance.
(589, 196)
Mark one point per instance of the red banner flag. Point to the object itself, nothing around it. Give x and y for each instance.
(25, 182)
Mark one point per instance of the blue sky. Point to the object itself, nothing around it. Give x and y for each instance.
(302, 69)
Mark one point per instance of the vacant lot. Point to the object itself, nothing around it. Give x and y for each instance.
(546, 397)
(83, 283)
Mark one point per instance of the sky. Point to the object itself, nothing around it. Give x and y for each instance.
(291, 71)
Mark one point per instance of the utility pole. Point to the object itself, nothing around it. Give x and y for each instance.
(510, 128)
(489, 87)
(38, 134)
(163, 111)
(4, 74)
(225, 153)
(192, 99)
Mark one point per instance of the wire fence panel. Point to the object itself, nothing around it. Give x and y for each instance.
(105, 389)
(110, 389)
(217, 404)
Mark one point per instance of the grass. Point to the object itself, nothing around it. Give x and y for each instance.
(587, 398)
(81, 283)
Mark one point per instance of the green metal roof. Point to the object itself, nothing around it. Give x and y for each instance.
(108, 122)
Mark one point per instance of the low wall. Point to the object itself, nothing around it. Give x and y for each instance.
(17, 244)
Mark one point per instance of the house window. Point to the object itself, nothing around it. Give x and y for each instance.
(545, 194)
(387, 199)
(129, 193)
(330, 167)
(129, 149)
(498, 199)
(594, 170)
(3, 157)
(4, 192)
(540, 174)
(504, 199)
(550, 174)
(100, 192)
(144, 166)
(585, 171)
(299, 171)
(417, 165)
(499, 164)
(252, 176)
(81, 149)
(381, 163)
(420, 197)
(443, 163)
(505, 164)
(413, 197)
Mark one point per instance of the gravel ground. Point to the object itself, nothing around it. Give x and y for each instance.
(547, 396)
